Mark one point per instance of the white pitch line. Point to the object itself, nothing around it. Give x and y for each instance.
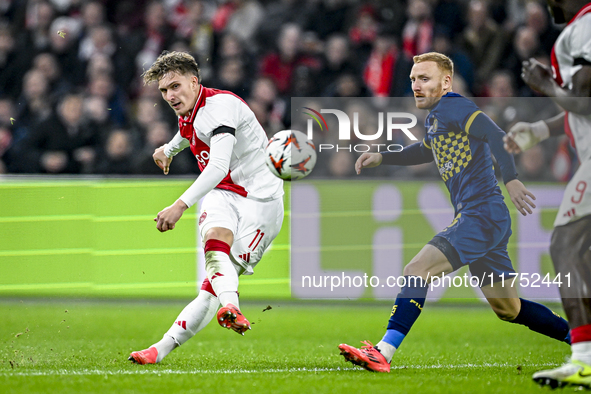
(90, 372)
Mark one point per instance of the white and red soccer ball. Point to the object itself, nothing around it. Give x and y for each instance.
(290, 155)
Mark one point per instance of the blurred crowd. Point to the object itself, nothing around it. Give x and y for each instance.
(72, 99)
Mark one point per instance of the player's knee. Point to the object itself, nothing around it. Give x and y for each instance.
(415, 268)
(221, 234)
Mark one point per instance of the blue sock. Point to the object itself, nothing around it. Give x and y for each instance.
(406, 310)
(541, 319)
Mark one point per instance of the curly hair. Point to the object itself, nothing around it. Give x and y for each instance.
(171, 62)
(443, 62)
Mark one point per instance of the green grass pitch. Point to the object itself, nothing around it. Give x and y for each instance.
(69, 346)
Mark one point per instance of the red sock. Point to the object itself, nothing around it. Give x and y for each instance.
(580, 334)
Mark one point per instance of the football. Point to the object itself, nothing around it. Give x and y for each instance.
(290, 155)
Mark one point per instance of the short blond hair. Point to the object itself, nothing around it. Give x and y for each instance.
(443, 62)
(171, 62)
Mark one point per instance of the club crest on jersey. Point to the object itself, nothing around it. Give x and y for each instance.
(433, 128)
(202, 217)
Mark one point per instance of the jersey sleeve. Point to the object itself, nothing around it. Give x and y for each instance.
(483, 127)
(224, 114)
(177, 144)
(417, 153)
(580, 43)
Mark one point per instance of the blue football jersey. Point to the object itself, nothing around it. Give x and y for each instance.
(464, 161)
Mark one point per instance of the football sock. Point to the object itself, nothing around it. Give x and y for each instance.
(407, 308)
(221, 271)
(190, 321)
(581, 347)
(541, 319)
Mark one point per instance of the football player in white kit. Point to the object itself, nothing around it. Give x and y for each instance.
(568, 82)
(242, 207)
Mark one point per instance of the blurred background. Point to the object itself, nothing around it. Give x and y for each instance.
(72, 100)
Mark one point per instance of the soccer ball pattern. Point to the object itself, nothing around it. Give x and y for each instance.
(290, 155)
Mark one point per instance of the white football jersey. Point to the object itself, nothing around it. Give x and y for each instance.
(571, 50)
(248, 174)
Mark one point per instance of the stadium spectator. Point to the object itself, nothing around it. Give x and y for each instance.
(241, 18)
(537, 18)
(525, 45)
(231, 47)
(328, 17)
(103, 85)
(336, 61)
(34, 105)
(277, 14)
(264, 93)
(417, 35)
(463, 67)
(65, 47)
(280, 65)
(13, 63)
(63, 143)
(117, 154)
(47, 63)
(36, 35)
(156, 36)
(197, 30)
(159, 133)
(364, 32)
(484, 41)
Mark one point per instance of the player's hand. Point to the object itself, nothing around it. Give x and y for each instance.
(520, 196)
(538, 76)
(368, 160)
(167, 218)
(161, 159)
(520, 130)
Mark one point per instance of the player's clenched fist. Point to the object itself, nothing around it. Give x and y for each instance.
(368, 160)
(167, 218)
(161, 159)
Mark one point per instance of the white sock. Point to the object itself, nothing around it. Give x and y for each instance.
(166, 345)
(582, 352)
(387, 350)
(229, 297)
(190, 321)
(223, 276)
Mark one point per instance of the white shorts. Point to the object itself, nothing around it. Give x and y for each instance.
(576, 202)
(255, 224)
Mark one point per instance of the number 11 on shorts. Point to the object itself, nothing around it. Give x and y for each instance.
(259, 235)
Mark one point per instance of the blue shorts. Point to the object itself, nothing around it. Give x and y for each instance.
(478, 237)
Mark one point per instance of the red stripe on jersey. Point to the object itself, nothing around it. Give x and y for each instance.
(555, 68)
(568, 131)
(199, 148)
(553, 60)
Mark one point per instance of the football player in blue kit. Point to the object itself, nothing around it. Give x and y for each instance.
(460, 138)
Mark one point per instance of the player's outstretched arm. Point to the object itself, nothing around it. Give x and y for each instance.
(368, 160)
(520, 196)
(161, 159)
